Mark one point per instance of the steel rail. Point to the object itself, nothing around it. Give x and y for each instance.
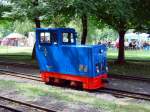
(129, 77)
(18, 64)
(29, 105)
(106, 90)
(110, 75)
(20, 75)
(9, 108)
(123, 93)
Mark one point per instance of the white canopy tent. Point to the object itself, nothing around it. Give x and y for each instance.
(14, 39)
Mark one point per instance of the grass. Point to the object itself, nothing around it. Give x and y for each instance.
(138, 63)
(140, 68)
(4, 50)
(18, 54)
(18, 58)
(26, 52)
(7, 84)
(141, 55)
(111, 53)
(30, 91)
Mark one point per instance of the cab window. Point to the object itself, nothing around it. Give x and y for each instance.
(48, 38)
(67, 38)
(45, 37)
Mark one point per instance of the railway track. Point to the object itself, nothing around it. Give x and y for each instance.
(4, 107)
(137, 78)
(116, 92)
(123, 93)
(20, 75)
(15, 64)
(18, 106)
(110, 75)
(129, 77)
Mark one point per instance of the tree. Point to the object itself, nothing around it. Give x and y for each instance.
(71, 9)
(4, 6)
(122, 15)
(30, 9)
(119, 14)
(81, 11)
(5, 23)
(37, 23)
(142, 14)
(65, 10)
(23, 27)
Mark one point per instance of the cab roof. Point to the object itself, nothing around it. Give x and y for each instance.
(56, 29)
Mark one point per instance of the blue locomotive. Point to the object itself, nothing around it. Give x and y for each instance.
(61, 59)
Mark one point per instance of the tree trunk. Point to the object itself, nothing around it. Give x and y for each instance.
(121, 57)
(84, 29)
(38, 25)
(37, 22)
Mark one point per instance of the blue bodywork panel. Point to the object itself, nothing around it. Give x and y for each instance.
(67, 57)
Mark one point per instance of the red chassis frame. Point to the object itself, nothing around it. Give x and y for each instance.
(88, 83)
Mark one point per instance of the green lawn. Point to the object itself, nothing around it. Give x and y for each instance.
(140, 67)
(138, 63)
(4, 50)
(19, 54)
(111, 53)
(130, 54)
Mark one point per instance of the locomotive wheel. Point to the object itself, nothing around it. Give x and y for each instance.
(51, 80)
(76, 84)
(59, 82)
(73, 83)
(64, 82)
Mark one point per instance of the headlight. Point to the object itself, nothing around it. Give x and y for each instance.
(97, 69)
(106, 68)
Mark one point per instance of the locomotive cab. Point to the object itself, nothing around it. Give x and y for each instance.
(60, 58)
(57, 36)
